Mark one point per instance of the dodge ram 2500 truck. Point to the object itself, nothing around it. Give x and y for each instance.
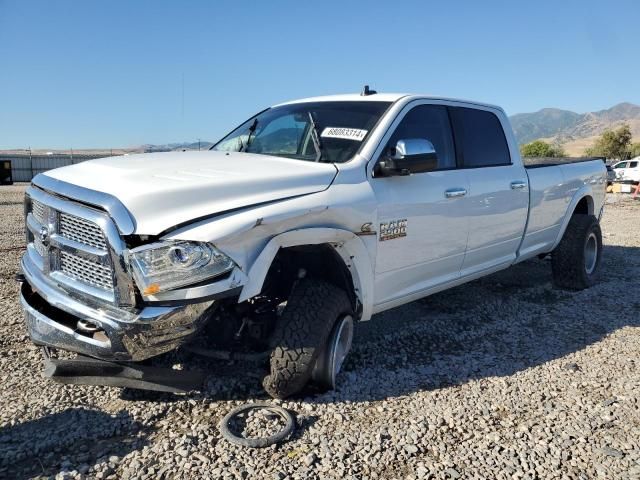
(308, 217)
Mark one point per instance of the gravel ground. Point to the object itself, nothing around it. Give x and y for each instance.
(504, 377)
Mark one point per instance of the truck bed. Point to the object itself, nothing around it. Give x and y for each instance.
(536, 162)
(550, 190)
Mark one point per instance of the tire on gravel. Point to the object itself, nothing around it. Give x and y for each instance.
(568, 259)
(301, 333)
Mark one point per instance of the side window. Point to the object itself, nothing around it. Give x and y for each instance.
(429, 122)
(480, 137)
(620, 165)
(633, 164)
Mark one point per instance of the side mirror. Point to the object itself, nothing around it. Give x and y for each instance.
(413, 155)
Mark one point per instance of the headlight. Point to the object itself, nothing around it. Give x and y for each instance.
(167, 265)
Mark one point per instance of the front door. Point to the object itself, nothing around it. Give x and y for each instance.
(422, 223)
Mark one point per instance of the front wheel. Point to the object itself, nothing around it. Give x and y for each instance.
(576, 260)
(311, 339)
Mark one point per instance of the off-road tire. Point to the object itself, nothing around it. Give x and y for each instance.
(568, 259)
(301, 333)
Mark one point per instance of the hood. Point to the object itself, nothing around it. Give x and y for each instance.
(161, 190)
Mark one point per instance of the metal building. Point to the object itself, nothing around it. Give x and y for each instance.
(24, 165)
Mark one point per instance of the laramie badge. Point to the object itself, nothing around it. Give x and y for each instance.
(393, 229)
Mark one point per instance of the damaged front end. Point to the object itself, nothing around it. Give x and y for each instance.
(84, 291)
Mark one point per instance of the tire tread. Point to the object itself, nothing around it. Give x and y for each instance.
(301, 332)
(567, 260)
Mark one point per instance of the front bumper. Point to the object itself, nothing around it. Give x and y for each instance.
(52, 319)
(89, 371)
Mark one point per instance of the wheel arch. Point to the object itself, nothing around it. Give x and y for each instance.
(584, 206)
(341, 248)
(581, 203)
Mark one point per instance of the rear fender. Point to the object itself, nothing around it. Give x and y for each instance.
(584, 191)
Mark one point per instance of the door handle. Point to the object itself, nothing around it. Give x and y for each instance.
(518, 184)
(455, 192)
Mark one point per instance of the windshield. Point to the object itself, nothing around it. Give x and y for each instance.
(314, 131)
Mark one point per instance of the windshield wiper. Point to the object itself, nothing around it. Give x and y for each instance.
(315, 136)
(252, 129)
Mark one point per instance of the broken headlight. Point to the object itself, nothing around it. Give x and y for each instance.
(168, 265)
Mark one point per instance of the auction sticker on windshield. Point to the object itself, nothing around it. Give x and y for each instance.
(346, 133)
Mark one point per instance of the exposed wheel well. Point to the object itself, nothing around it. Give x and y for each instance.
(584, 206)
(320, 261)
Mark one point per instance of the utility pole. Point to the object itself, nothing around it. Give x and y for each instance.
(31, 162)
(198, 144)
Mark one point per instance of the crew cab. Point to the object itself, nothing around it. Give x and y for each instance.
(310, 216)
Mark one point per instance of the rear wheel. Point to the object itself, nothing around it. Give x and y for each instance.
(311, 338)
(576, 260)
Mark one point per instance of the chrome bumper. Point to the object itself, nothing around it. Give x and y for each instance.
(52, 316)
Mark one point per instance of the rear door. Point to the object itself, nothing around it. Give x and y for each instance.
(498, 198)
(422, 222)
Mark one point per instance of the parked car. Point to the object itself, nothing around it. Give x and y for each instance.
(308, 217)
(628, 170)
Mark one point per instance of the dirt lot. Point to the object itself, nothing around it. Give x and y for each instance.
(505, 377)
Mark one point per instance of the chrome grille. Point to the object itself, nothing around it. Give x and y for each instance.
(39, 246)
(69, 245)
(38, 211)
(81, 231)
(86, 271)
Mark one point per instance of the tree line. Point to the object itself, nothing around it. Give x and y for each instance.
(612, 144)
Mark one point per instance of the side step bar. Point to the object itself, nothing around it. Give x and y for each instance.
(90, 371)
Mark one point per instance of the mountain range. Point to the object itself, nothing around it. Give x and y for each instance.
(169, 147)
(574, 131)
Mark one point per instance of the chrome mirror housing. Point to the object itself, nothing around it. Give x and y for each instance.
(414, 148)
(412, 155)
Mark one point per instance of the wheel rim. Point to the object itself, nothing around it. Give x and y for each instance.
(590, 253)
(340, 346)
(328, 365)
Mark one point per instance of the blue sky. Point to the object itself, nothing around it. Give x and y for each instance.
(106, 74)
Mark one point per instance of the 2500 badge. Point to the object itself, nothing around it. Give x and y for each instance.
(393, 229)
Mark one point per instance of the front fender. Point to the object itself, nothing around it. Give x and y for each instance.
(348, 245)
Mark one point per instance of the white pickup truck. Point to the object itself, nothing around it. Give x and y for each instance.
(627, 171)
(309, 216)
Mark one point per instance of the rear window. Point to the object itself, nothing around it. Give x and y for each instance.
(480, 138)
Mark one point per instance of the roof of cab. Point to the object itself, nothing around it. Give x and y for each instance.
(384, 97)
(350, 97)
